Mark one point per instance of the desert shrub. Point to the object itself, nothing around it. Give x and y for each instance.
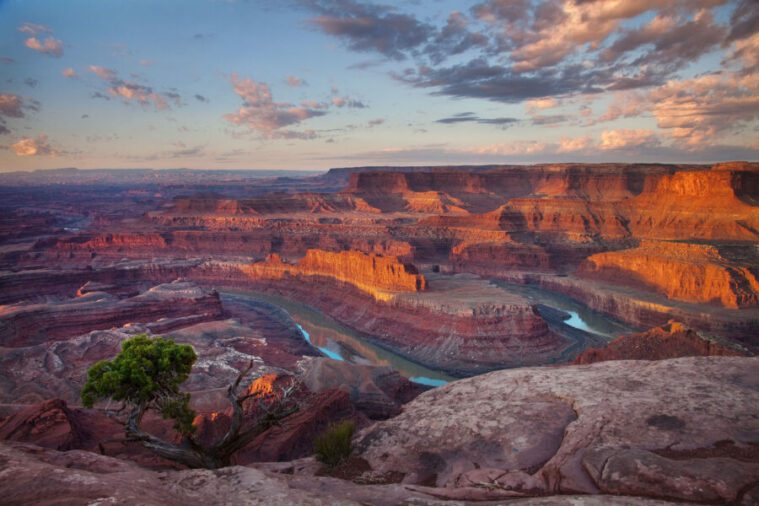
(334, 444)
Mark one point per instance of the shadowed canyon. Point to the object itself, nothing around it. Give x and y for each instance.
(531, 333)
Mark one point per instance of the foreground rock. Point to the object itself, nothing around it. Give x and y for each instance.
(378, 392)
(684, 429)
(33, 475)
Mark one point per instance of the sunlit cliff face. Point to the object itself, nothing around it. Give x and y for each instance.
(263, 386)
(373, 274)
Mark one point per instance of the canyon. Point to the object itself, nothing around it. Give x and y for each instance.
(373, 285)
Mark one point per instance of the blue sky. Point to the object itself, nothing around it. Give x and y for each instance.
(317, 83)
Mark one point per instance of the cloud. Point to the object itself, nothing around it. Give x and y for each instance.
(627, 138)
(103, 72)
(185, 152)
(744, 21)
(573, 144)
(261, 114)
(130, 91)
(480, 79)
(34, 29)
(538, 104)
(50, 46)
(201, 98)
(31, 82)
(11, 106)
(701, 109)
(97, 94)
(295, 81)
(515, 50)
(38, 146)
(520, 147)
(454, 38)
(7, 60)
(375, 122)
(348, 102)
(470, 117)
(69, 72)
(370, 27)
(549, 119)
(624, 105)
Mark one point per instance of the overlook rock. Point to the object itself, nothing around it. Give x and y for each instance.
(608, 428)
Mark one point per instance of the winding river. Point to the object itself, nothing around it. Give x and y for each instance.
(340, 342)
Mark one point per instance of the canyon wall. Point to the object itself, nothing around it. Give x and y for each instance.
(642, 242)
(371, 273)
(688, 272)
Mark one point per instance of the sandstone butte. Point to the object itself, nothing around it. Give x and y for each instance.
(688, 272)
(374, 274)
(672, 340)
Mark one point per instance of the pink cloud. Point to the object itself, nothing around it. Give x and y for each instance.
(573, 144)
(103, 72)
(624, 105)
(539, 104)
(260, 113)
(50, 46)
(68, 72)
(295, 81)
(11, 105)
(627, 138)
(702, 109)
(39, 146)
(130, 91)
(521, 147)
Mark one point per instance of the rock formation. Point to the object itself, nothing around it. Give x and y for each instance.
(378, 392)
(607, 432)
(688, 272)
(371, 273)
(26, 324)
(672, 340)
(608, 428)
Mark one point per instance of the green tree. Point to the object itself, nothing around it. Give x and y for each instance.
(147, 375)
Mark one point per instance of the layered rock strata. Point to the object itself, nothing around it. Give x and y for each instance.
(373, 274)
(688, 272)
(461, 324)
(26, 324)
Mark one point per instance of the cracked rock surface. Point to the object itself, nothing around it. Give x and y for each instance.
(683, 429)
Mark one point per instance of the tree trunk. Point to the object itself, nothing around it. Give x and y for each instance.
(220, 455)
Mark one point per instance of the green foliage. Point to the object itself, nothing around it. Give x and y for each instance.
(334, 444)
(146, 372)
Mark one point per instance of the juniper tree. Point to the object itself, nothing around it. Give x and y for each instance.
(147, 375)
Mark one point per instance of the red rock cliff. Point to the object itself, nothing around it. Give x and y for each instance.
(370, 273)
(688, 272)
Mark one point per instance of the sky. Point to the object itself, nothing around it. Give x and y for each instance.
(314, 84)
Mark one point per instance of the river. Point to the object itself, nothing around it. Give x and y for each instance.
(340, 342)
